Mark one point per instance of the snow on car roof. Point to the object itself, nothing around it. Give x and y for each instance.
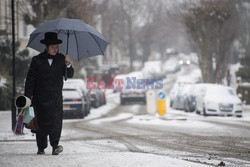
(80, 81)
(216, 88)
(75, 83)
(71, 93)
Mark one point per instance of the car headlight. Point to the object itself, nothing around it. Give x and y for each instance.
(180, 62)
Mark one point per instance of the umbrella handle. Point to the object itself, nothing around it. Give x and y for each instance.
(67, 51)
(65, 77)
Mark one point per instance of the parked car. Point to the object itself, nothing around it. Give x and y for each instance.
(183, 92)
(189, 103)
(176, 91)
(95, 98)
(80, 83)
(73, 103)
(218, 100)
(190, 98)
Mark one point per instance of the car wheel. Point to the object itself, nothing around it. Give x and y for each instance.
(82, 114)
(96, 104)
(185, 109)
(89, 107)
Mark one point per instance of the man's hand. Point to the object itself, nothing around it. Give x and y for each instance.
(67, 60)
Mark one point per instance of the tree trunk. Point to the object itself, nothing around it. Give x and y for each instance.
(131, 44)
(206, 61)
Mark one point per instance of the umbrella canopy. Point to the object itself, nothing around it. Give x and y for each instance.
(80, 40)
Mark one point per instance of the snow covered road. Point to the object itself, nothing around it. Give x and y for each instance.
(115, 135)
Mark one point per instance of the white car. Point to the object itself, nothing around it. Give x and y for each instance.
(132, 94)
(79, 84)
(73, 103)
(218, 100)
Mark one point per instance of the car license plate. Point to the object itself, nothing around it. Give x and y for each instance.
(226, 108)
(66, 106)
(132, 94)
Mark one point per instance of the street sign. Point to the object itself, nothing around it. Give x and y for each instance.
(161, 102)
(161, 95)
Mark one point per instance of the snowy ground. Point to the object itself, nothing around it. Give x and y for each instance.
(115, 135)
(20, 150)
(78, 153)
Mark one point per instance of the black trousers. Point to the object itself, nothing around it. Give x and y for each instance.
(42, 138)
(49, 125)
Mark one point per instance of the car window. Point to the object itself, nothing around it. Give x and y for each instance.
(71, 94)
(221, 91)
(231, 92)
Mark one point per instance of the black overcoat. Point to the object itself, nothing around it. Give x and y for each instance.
(44, 83)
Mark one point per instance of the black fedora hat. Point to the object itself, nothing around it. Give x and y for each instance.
(50, 38)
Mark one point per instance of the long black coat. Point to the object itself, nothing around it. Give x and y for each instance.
(44, 86)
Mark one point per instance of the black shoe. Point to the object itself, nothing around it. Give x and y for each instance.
(57, 150)
(40, 152)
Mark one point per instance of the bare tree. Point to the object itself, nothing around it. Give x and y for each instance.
(136, 28)
(148, 31)
(51, 9)
(130, 10)
(213, 27)
(244, 9)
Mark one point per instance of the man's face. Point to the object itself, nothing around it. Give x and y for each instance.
(52, 49)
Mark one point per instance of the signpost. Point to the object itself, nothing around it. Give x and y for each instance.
(161, 103)
(13, 110)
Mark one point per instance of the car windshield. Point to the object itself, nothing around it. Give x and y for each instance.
(220, 91)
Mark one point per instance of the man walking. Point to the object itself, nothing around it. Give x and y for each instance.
(44, 83)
